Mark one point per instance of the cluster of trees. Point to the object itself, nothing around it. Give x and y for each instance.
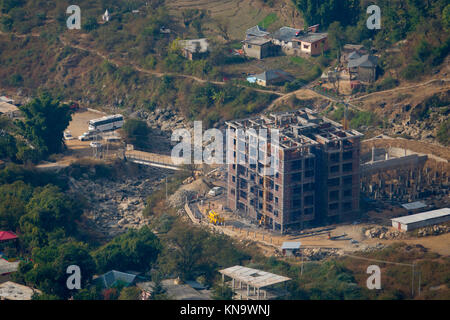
(136, 132)
(422, 23)
(38, 209)
(40, 132)
(325, 12)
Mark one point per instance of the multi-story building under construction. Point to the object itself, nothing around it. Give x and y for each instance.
(316, 178)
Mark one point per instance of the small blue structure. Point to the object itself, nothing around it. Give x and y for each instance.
(290, 248)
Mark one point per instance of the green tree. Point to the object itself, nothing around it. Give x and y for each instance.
(446, 17)
(47, 272)
(130, 293)
(13, 200)
(443, 134)
(134, 250)
(90, 24)
(185, 255)
(44, 123)
(48, 210)
(136, 132)
(7, 5)
(8, 146)
(222, 292)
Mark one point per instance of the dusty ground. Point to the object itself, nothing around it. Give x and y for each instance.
(77, 149)
(270, 241)
(414, 145)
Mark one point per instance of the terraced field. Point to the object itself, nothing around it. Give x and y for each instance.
(240, 14)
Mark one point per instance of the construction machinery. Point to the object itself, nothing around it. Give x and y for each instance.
(215, 218)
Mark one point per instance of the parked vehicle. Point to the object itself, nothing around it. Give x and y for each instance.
(215, 191)
(107, 123)
(95, 144)
(85, 136)
(68, 135)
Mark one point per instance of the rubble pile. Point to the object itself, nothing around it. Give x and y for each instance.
(383, 233)
(315, 254)
(178, 199)
(433, 230)
(164, 119)
(114, 207)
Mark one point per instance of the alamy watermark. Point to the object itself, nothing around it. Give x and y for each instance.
(374, 21)
(374, 281)
(74, 280)
(74, 21)
(242, 146)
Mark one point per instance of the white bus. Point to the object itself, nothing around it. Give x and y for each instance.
(106, 123)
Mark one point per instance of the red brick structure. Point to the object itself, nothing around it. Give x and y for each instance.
(317, 176)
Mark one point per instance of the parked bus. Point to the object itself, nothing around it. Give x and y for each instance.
(106, 123)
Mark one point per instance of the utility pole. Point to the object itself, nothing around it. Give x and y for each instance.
(301, 272)
(412, 281)
(420, 278)
(166, 188)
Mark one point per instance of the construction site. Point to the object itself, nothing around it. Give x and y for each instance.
(316, 179)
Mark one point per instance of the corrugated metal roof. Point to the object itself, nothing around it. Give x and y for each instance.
(423, 216)
(366, 60)
(256, 31)
(253, 277)
(291, 245)
(414, 205)
(285, 33)
(7, 107)
(274, 75)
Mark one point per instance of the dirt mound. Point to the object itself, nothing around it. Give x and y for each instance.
(189, 191)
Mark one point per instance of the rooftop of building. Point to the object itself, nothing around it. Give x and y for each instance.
(6, 107)
(292, 34)
(298, 129)
(439, 213)
(14, 291)
(196, 45)
(257, 41)
(256, 31)
(274, 74)
(112, 277)
(366, 61)
(253, 277)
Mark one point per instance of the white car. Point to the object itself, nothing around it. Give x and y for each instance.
(95, 144)
(215, 191)
(68, 136)
(85, 137)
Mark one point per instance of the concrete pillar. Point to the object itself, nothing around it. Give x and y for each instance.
(373, 154)
(248, 290)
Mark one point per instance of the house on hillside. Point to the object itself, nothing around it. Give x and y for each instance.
(259, 48)
(363, 68)
(296, 41)
(352, 49)
(258, 44)
(106, 16)
(272, 77)
(195, 49)
(9, 110)
(312, 44)
(14, 291)
(114, 278)
(256, 31)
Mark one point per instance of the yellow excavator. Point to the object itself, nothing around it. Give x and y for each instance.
(215, 218)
